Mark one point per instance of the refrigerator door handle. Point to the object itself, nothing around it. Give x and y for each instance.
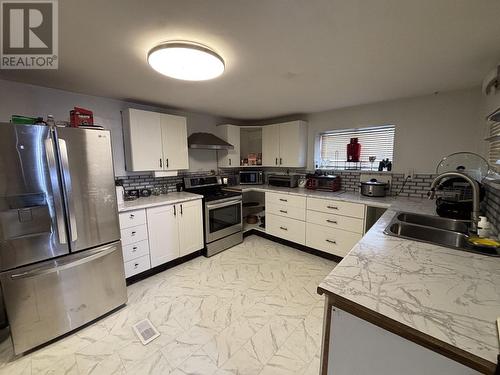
(59, 266)
(63, 150)
(56, 191)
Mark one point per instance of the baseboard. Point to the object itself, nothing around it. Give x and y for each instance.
(176, 262)
(297, 246)
(163, 267)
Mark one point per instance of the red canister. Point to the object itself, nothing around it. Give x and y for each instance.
(353, 150)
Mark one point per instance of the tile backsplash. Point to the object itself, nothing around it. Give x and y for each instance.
(416, 187)
(148, 181)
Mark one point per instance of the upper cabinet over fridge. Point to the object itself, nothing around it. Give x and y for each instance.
(154, 141)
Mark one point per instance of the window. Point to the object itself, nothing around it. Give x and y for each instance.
(375, 141)
(494, 139)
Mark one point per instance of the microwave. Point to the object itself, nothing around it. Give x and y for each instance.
(251, 177)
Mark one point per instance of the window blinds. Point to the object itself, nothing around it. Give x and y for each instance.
(494, 139)
(375, 141)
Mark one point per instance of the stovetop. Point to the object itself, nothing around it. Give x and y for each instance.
(213, 193)
(211, 187)
(222, 194)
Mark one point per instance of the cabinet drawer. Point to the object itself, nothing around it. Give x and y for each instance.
(286, 200)
(286, 211)
(134, 234)
(135, 250)
(333, 241)
(350, 224)
(132, 218)
(336, 207)
(136, 266)
(286, 228)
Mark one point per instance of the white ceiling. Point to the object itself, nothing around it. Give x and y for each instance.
(282, 56)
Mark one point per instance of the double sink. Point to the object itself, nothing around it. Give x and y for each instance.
(436, 230)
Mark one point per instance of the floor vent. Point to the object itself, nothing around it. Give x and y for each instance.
(145, 331)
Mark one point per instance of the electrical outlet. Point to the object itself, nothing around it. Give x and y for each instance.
(410, 174)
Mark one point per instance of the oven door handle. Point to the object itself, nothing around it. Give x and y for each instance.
(224, 204)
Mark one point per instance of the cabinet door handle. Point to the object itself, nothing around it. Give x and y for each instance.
(332, 207)
(283, 200)
(181, 209)
(331, 221)
(331, 241)
(132, 216)
(161, 164)
(134, 249)
(135, 265)
(283, 211)
(167, 162)
(276, 162)
(281, 161)
(283, 228)
(175, 211)
(229, 161)
(132, 233)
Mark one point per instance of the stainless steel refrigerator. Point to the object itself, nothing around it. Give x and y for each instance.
(61, 262)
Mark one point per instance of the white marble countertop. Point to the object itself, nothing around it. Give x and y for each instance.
(438, 293)
(158, 200)
(342, 195)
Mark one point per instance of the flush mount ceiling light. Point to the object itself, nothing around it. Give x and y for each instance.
(186, 60)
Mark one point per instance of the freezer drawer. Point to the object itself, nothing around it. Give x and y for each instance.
(49, 299)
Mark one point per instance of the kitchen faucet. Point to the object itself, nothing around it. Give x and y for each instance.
(475, 194)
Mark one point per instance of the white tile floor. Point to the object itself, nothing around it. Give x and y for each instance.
(252, 309)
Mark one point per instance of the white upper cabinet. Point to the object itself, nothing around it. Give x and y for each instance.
(293, 144)
(284, 145)
(231, 134)
(154, 141)
(142, 138)
(174, 140)
(271, 145)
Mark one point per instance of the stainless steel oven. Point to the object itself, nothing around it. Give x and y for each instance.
(223, 218)
(222, 212)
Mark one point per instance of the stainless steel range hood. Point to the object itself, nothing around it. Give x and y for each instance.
(208, 141)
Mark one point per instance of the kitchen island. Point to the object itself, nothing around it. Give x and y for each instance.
(443, 299)
(436, 298)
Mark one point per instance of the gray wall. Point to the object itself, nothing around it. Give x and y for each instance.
(29, 100)
(427, 128)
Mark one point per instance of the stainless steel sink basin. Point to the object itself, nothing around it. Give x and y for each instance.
(435, 222)
(435, 230)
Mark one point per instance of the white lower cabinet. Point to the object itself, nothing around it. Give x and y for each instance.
(286, 228)
(350, 224)
(138, 265)
(286, 211)
(163, 234)
(134, 234)
(174, 231)
(190, 227)
(333, 241)
(135, 250)
(322, 224)
(157, 235)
